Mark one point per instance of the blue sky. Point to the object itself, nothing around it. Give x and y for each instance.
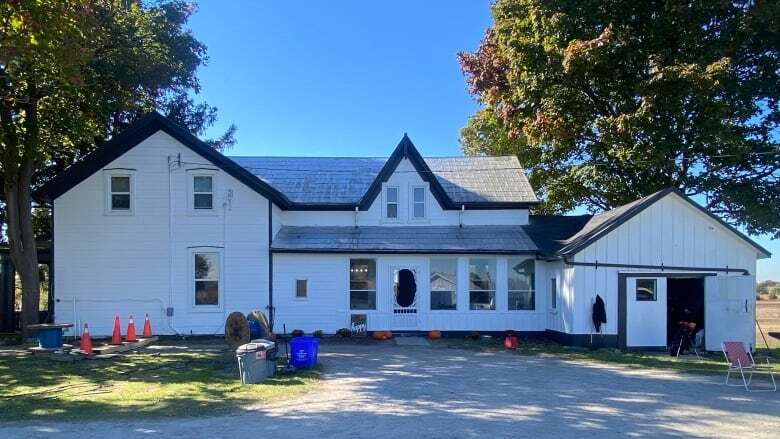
(346, 78)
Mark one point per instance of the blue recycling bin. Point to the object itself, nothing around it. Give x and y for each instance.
(303, 352)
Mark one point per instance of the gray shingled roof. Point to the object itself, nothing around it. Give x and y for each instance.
(344, 180)
(405, 239)
(551, 232)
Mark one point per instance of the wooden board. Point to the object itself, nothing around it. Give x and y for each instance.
(124, 347)
(40, 350)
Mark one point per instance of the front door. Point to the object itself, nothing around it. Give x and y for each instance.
(404, 296)
(646, 311)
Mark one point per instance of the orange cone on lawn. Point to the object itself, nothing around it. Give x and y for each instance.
(86, 342)
(116, 336)
(147, 328)
(130, 336)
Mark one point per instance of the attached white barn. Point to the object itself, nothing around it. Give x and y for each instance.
(156, 222)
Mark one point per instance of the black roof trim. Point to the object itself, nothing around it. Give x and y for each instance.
(137, 133)
(406, 149)
(603, 229)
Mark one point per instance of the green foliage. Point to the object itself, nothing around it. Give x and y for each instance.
(608, 101)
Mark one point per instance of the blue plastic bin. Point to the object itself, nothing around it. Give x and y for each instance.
(303, 352)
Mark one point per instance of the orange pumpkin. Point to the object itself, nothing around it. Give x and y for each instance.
(434, 335)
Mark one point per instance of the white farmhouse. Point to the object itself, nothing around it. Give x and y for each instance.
(156, 222)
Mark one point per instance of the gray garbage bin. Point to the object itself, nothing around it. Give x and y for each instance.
(256, 361)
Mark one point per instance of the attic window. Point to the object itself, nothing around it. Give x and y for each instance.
(391, 201)
(119, 191)
(418, 202)
(203, 192)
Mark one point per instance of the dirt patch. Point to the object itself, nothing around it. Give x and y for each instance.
(768, 316)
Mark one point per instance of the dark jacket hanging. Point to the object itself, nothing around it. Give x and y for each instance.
(599, 313)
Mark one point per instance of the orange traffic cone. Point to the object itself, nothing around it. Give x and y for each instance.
(86, 342)
(147, 328)
(130, 336)
(116, 336)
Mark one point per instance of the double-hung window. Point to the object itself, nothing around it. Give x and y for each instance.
(418, 202)
(362, 284)
(520, 273)
(482, 284)
(391, 202)
(203, 192)
(444, 283)
(119, 191)
(207, 280)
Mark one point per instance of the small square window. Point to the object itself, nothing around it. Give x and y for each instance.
(646, 290)
(301, 288)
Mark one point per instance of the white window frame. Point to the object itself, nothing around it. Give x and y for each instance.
(119, 172)
(350, 290)
(412, 203)
(532, 290)
(457, 283)
(495, 284)
(221, 279)
(295, 288)
(385, 203)
(191, 174)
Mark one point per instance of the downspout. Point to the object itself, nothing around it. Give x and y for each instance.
(52, 301)
(460, 215)
(169, 311)
(270, 265)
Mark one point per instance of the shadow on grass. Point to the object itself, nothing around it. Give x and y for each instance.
(162, 383)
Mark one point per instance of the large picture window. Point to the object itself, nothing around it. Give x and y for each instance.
(362, 284)
(520, 273)
(206, 278)
(482, 284)
(444, 283)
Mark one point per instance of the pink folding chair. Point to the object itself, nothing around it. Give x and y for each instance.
(740, 359)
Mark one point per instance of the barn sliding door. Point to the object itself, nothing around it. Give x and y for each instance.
(645, 311)
(729, 310)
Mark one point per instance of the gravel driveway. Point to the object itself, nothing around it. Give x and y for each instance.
(406, 391)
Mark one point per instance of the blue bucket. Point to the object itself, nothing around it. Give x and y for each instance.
(303, 352)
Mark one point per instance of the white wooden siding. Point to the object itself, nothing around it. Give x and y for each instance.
(121, 264)
(669, 233)
(327, 307)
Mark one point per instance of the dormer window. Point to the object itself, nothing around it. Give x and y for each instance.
(418, 202)
(203, 192)
(391, 202)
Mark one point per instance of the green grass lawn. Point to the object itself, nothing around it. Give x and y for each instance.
(177, 380)
(710, 362)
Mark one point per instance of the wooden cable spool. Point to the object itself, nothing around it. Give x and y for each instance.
(236, 330)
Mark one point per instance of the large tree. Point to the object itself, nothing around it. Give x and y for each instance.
(606, 101)
(72, 73)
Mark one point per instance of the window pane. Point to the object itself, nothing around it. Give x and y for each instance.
(392, 195)
(444, 274)
(300, 288)
(553, 294)
(206, 292)
(203, 201)
(392, 211)
(207, 266)
(120, 201)
(202, 183)
(521, 274)
(419, 195)
(444, 300)
(482, 274)
(362, 299)
(645, 290)
(482, 300)
(362, 274)
(419, 210)
(120, 184)
(521, 300)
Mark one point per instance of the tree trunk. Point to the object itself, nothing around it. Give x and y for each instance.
(21, 239)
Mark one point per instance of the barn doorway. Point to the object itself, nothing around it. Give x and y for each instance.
(684, 310)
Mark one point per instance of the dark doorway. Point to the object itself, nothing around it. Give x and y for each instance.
(407, 288)
(684, 308)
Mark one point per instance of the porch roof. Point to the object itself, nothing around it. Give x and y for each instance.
(404, 239)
